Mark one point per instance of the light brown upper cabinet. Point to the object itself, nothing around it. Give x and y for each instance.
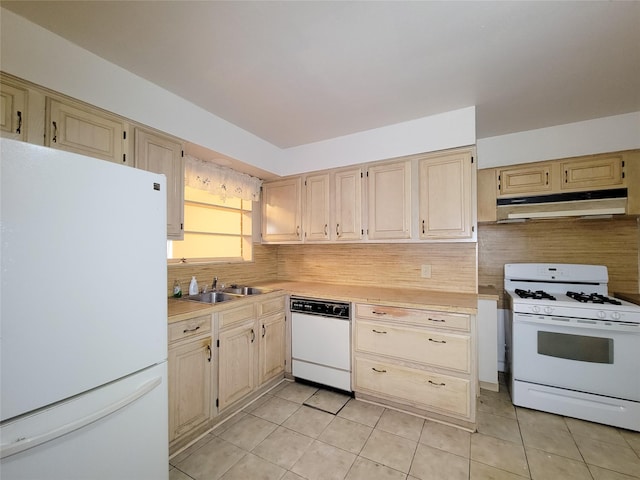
(162, 154)
(77, 128)
(282, 211)
(592, 173)
(317, 208)
(348, 204)
(532, 179)
(333, 206)
(389, 200)
(13, 111)
(447, 196)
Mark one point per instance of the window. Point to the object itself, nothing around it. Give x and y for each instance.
(216, 229)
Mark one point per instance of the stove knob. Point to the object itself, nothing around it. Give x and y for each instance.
(535, 309)
(601, 314)
(615, 315)
(548, 310)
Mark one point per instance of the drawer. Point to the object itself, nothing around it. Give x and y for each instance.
(270, 306)
(236, 315)
(441, 349)
(413, 387)
(455, 321)
(189, 328)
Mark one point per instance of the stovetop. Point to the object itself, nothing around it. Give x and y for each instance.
(566, 290)
(580, 297)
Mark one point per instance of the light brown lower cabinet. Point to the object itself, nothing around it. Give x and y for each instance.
(220, 362)
(416, 359)
(251, 349)
(190, 370)
(236, 362)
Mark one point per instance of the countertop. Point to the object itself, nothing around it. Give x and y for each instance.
(629, 297)
(488, 292)
(401, 297)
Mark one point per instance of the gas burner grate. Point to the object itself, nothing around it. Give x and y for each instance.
(537, 295)
(592, 298)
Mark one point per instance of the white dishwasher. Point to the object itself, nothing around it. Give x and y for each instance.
(321, 341)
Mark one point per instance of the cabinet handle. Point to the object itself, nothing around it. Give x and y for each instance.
(297, 230)
(437, 384)
(436, 320)
(377, 331)
(423, 227)
(378, 313)
(19, 122)
(253, 335)
(187, 330)
(338, 229)
(264, 331)
(566, 176)
(326, 229)
(437, 341)
(209, 351)
(55, 132)
(379, 371)
(547, 175)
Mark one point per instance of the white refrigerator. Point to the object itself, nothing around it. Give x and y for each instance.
(83, 318)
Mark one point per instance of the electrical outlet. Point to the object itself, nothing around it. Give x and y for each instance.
(426, 271)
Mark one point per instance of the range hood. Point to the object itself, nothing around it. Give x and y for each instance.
(571, 204)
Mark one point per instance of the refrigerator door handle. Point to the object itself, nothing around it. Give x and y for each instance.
(22, 444)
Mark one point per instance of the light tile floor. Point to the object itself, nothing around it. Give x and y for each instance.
(279, 438)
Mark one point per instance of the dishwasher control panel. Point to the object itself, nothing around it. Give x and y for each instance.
(324, 308)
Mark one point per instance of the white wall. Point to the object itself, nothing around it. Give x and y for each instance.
(35, 54)
(608, 134)
(428, 134)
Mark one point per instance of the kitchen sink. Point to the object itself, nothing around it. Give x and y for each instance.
(210, 297)
(243, 290)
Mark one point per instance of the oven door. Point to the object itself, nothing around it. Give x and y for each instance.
(583, 355)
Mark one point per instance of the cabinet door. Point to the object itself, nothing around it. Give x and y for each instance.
(317, 208)
(348, 204)
(446, 196)
(189, 386)
(390, 201)
(413, 386)
(533, 179)
(592, 173)
(86, 131)
(281, 211)
(161, 154)
(13, 110)
(236, 363)
(430, 347)
(272, 346)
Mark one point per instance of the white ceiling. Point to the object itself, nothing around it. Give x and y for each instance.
(298, 72)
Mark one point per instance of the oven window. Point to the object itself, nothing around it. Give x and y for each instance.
(576, 347)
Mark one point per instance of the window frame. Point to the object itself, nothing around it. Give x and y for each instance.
(246, 239)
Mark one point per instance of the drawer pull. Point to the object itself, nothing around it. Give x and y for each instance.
(436, 320)
(437, 341)
(377, 331)
(378, 313)
(189, 330)
(379, 371)
(437, 384)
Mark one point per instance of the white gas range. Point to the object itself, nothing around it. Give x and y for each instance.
(571, 349)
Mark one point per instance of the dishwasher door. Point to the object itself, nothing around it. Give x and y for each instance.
(321, 349)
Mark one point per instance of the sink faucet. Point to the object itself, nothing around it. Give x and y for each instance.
(215, 283)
